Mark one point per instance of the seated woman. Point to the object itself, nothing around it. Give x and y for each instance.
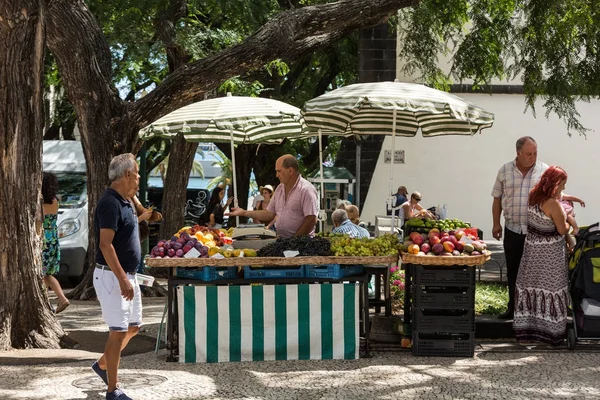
(412, 209)
(266, 192)
(213, 217)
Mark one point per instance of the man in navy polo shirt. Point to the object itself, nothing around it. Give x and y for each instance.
(118, 255)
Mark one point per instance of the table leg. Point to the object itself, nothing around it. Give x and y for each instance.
(366, 324)
(407, 292)
(171, 315)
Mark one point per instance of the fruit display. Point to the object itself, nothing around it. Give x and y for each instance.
(457, 242)
(423, 225)
(207, 242)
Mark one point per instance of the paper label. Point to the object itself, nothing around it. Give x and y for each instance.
(193, 253)
(217, 256)
(290, 253)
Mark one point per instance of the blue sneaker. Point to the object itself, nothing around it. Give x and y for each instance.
(101, 372)
(117, 394)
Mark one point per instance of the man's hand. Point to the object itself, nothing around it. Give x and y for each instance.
(236, 212)
(126, 289)
(497, 232)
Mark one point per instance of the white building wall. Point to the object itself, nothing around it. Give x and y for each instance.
(460, 171)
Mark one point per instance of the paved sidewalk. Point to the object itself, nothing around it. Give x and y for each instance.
(499, 370)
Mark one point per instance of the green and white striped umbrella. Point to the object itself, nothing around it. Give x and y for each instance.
(230, 119)
(249, 119)
(395, 109)
(369, 109)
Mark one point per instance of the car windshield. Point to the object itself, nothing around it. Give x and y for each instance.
(72, 189)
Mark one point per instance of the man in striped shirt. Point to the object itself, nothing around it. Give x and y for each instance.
(343, 225)
(514, 181)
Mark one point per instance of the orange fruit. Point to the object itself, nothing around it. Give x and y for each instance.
(414, 249)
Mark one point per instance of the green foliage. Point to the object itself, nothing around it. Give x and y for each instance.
(490, 298)
(552, 45)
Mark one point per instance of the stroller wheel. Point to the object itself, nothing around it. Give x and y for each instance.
(571, 339)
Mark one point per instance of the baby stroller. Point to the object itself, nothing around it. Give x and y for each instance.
(584, 286)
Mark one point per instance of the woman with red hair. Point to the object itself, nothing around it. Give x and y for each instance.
(541, 298)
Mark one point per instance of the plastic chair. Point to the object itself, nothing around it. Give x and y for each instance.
(383, 225)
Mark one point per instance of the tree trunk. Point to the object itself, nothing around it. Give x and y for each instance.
(174, 195)
(25, 319)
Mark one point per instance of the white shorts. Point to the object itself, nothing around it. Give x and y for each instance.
(118, 313)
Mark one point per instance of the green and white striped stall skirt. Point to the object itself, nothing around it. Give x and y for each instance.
(268, 322)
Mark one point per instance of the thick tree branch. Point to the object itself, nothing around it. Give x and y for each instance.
(289, 36)
(165, 30)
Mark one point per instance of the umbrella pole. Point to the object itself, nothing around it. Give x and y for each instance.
(392, 167)
(235, 198)
(322, 202)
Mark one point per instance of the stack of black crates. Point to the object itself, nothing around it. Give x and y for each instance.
(443, 310)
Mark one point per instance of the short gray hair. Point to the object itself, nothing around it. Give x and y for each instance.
(119, 165)
(521, 142)
(339, 216)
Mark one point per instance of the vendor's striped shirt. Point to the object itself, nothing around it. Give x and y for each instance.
(513, 188)
(352, 230)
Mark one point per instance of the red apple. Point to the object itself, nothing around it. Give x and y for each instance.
(417, 239)
(433, 240)
(425, 248)
(448, 247)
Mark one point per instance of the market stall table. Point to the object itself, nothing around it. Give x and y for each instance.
(243, 346)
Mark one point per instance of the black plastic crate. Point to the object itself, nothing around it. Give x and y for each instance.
(443, 345)
(444, 297)
(446, 321)
(458, 275)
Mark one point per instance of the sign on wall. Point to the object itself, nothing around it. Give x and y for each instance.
(398, 156)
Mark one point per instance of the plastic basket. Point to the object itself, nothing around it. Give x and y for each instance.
(260, 272)
(450, 275)
(444, 297)
(333, 271)
(144, 280)
(447, 321)
(207, 273)
(444, 345)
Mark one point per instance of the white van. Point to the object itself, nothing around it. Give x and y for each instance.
(65, 159)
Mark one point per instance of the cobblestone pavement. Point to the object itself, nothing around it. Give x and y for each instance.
(390, 375)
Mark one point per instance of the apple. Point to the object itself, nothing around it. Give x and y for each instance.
(453, 239)
(437, 248)
(445, 239)
(448, 246)
(418, 239)
(459, 234)
(433, 240)
(425, 248)
(460, 246)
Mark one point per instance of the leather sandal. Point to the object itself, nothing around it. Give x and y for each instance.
(61, 307)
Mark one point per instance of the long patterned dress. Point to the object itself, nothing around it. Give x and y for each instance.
(541, 298)
(51, 249)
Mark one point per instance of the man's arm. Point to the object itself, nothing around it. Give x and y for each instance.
(307, 225)
(496, 212)
(108, 251)
(261, 215)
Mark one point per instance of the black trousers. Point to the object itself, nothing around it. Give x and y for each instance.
(513, 251)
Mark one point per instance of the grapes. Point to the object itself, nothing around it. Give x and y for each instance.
(385, 245)
(305, 245)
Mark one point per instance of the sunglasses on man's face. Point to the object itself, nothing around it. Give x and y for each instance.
(417, 198)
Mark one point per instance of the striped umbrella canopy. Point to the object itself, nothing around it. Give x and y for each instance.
(230, 119)
(392, 108)
(247, 119)
(370, 109)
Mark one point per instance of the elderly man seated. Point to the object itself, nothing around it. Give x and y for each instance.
(342, 224)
